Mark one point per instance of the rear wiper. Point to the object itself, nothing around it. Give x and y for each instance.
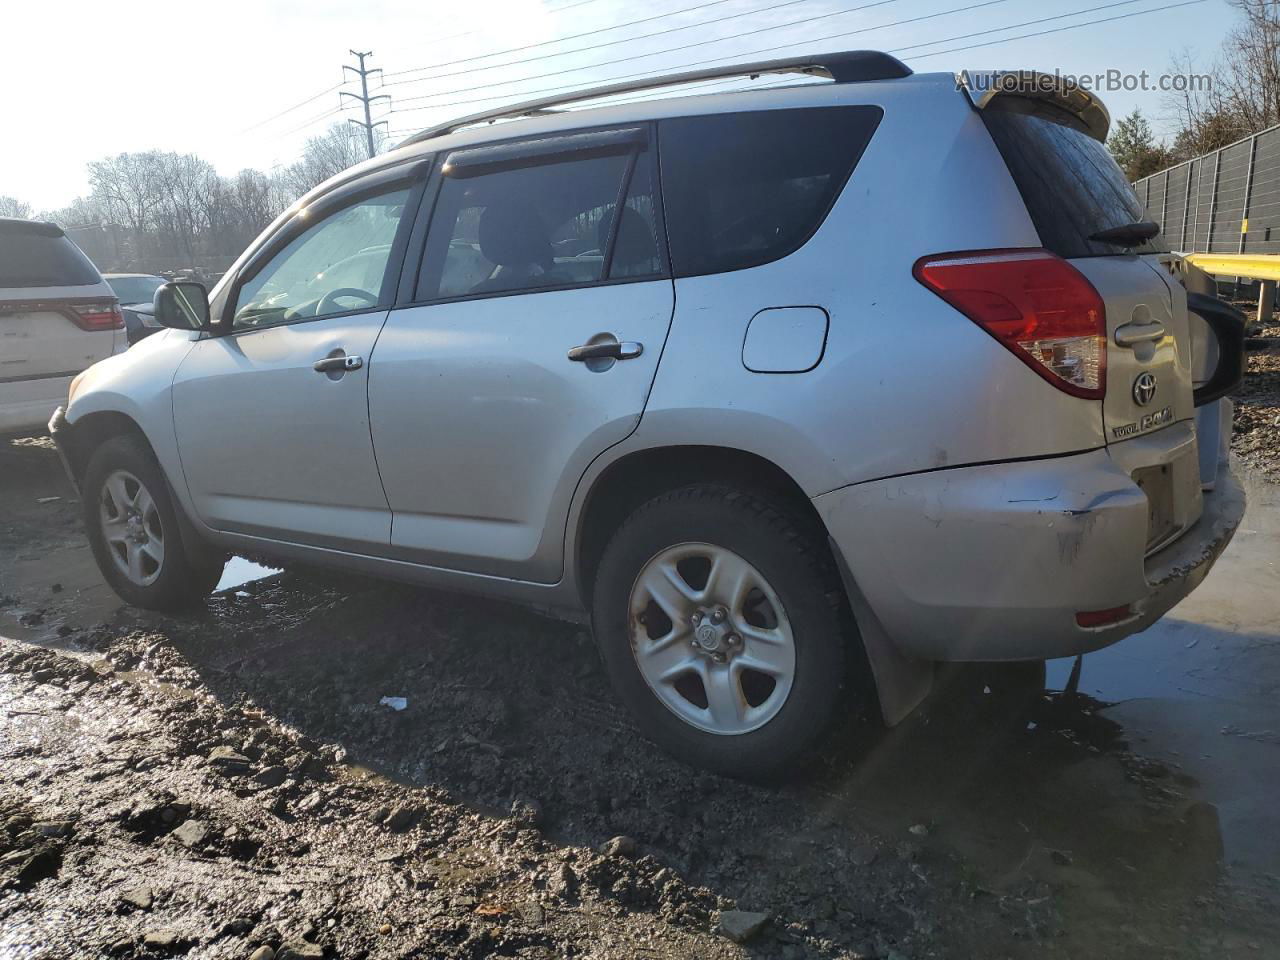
(1130, 235)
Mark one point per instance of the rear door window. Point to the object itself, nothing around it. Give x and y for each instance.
(535, 225)
(742, 189)
(1071, 185)
(31, 257)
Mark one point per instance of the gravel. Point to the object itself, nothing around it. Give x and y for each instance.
(1256, 430)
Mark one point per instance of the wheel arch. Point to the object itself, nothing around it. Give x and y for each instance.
(637, 477)
(898, 683)
(90, 431)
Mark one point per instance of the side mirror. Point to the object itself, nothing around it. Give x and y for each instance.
(182, 305)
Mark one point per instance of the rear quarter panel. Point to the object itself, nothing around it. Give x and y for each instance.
(906, 383)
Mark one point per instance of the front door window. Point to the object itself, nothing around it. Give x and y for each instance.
(339, 265)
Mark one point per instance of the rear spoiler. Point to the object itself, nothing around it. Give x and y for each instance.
(1049, 95)
(11, 226)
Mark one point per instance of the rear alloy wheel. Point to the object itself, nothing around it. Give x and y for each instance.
(134, 530)
(722, 624)
(711, 638)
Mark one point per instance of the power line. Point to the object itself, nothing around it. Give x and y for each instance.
(471, 33)
(1074, 26)
(572, 36)
(648, 73)
(336, 86)
(644, 36)
(1016, 26)
(772, 49)
(314, 120)
(703, 43)
(296, 106)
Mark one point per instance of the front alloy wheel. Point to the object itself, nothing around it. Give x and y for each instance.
(132, 528)
(135, 533)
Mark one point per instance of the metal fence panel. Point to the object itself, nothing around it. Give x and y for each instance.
(1174, 222)
(1233, 173)
(1264, 199)
(1227, 201)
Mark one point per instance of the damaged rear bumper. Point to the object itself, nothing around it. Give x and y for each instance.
(995, 562)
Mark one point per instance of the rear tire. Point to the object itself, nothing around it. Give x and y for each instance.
(134, 530)
(723, 627)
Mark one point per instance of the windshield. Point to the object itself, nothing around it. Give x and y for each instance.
(135, 289)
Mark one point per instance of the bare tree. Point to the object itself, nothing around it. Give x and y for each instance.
(1243, 96)
(160, 207)
(328, 154)
(126, 188)
(13, 207)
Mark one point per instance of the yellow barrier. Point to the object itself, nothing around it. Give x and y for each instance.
(1255, 266)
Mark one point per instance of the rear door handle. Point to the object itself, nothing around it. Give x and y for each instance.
(337, 364)
(1134, 333)
(608, 350)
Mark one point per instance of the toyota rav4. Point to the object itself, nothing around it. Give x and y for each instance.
(793, 392)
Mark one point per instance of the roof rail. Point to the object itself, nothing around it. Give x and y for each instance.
(846, 66)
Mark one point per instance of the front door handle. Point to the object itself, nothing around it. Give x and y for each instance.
(338, 364)
(608, 350)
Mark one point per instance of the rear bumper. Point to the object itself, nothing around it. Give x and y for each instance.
(994, 562)
(25, 405)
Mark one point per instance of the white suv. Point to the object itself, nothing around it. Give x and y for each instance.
(57, 317)
(794, 392)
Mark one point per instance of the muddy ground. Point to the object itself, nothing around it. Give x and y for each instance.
(217, 784)
(1256, 431)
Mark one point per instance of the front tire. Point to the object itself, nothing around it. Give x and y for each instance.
(722, 625)
(134, 531)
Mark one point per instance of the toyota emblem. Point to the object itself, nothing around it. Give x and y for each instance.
(1144, 389)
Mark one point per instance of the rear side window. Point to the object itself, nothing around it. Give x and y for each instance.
(543, 225)
(39, 259)
(742, 189)
(1071, 185)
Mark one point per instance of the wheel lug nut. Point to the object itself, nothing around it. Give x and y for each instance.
(718, 615)
(733, 639)
(718, 657)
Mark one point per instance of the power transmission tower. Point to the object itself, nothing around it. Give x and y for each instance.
(364, 97)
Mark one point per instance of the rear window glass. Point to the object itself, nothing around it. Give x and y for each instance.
(29, 259)
(1071, 185)
(742, 189)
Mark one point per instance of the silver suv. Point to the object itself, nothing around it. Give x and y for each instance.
(794, 393)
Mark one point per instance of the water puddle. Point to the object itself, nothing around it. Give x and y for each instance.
(239, 572)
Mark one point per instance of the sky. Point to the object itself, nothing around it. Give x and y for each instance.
(242, 84)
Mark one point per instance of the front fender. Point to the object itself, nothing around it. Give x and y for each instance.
(136, 384)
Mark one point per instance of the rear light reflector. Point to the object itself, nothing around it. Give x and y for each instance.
(1103, 618)
(98, 316)
(1036, 304)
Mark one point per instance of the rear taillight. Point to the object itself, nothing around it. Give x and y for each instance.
(98, 316)
(1036, 304)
